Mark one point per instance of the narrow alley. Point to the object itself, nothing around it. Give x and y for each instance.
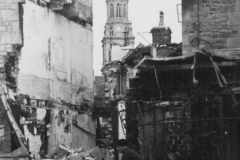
(161, 99)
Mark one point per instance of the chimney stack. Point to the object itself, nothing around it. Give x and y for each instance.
(161, 34)
(161, 23)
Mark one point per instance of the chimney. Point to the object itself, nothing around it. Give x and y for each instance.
(161, 34)
(161, 23)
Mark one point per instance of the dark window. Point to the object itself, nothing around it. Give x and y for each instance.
(111, 10)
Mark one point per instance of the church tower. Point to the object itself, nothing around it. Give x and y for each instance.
(118, 29)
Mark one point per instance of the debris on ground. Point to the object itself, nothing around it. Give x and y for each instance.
(97, 153)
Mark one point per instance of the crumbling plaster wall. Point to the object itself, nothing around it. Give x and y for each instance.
(56, 60)
(67, 128)
(84, 139)
(217, 22)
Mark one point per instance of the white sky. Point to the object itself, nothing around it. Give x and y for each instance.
(144, 15)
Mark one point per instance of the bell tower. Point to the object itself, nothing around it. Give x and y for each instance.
(118, 29)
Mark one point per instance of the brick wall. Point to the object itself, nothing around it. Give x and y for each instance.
(156, 136)
(178, 134)
(217, 22)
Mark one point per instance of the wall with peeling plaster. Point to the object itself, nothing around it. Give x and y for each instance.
(57, 135)
(82, 139)
(56, 60)
(74, 137)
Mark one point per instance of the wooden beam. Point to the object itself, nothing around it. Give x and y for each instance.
(186, 66)
(12, 120)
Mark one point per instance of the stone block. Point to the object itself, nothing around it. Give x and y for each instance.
(9, 28)
(10, 15)
(8, 48)
(220, 40)
(225, 34)
(16, 26)
(2, 48)
(3, 28)
(233, 42)
(13, 38)
(2, 54)
(233, 18)
(14, 6)
(2, 61)
(238, 6)
(219, 46)
(4, 6)
(215, 35)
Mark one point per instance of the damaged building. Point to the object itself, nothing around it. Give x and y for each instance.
(182, 100)
(46, 52)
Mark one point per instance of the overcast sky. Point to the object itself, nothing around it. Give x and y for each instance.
(144, 14)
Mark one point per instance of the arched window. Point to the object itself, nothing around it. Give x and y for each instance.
(111, 10)
(124, 10)
(118, 10)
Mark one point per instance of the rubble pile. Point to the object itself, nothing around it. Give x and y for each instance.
(67, 153)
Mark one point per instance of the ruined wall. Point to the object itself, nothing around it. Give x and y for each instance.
(77, 10)
(10, 40)
(178, 134)
(56, 60)
(117, 53)
(72, 130)
(47, 56)
(110, 81)
(84, 132)
(216, 21)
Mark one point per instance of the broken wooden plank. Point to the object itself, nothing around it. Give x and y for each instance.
(12, 120)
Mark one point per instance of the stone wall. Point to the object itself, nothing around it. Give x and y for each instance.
(10, 40)
(216, 21)
(178, 134)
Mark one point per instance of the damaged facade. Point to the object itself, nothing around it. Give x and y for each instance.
(182, 100)
(47, 76)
